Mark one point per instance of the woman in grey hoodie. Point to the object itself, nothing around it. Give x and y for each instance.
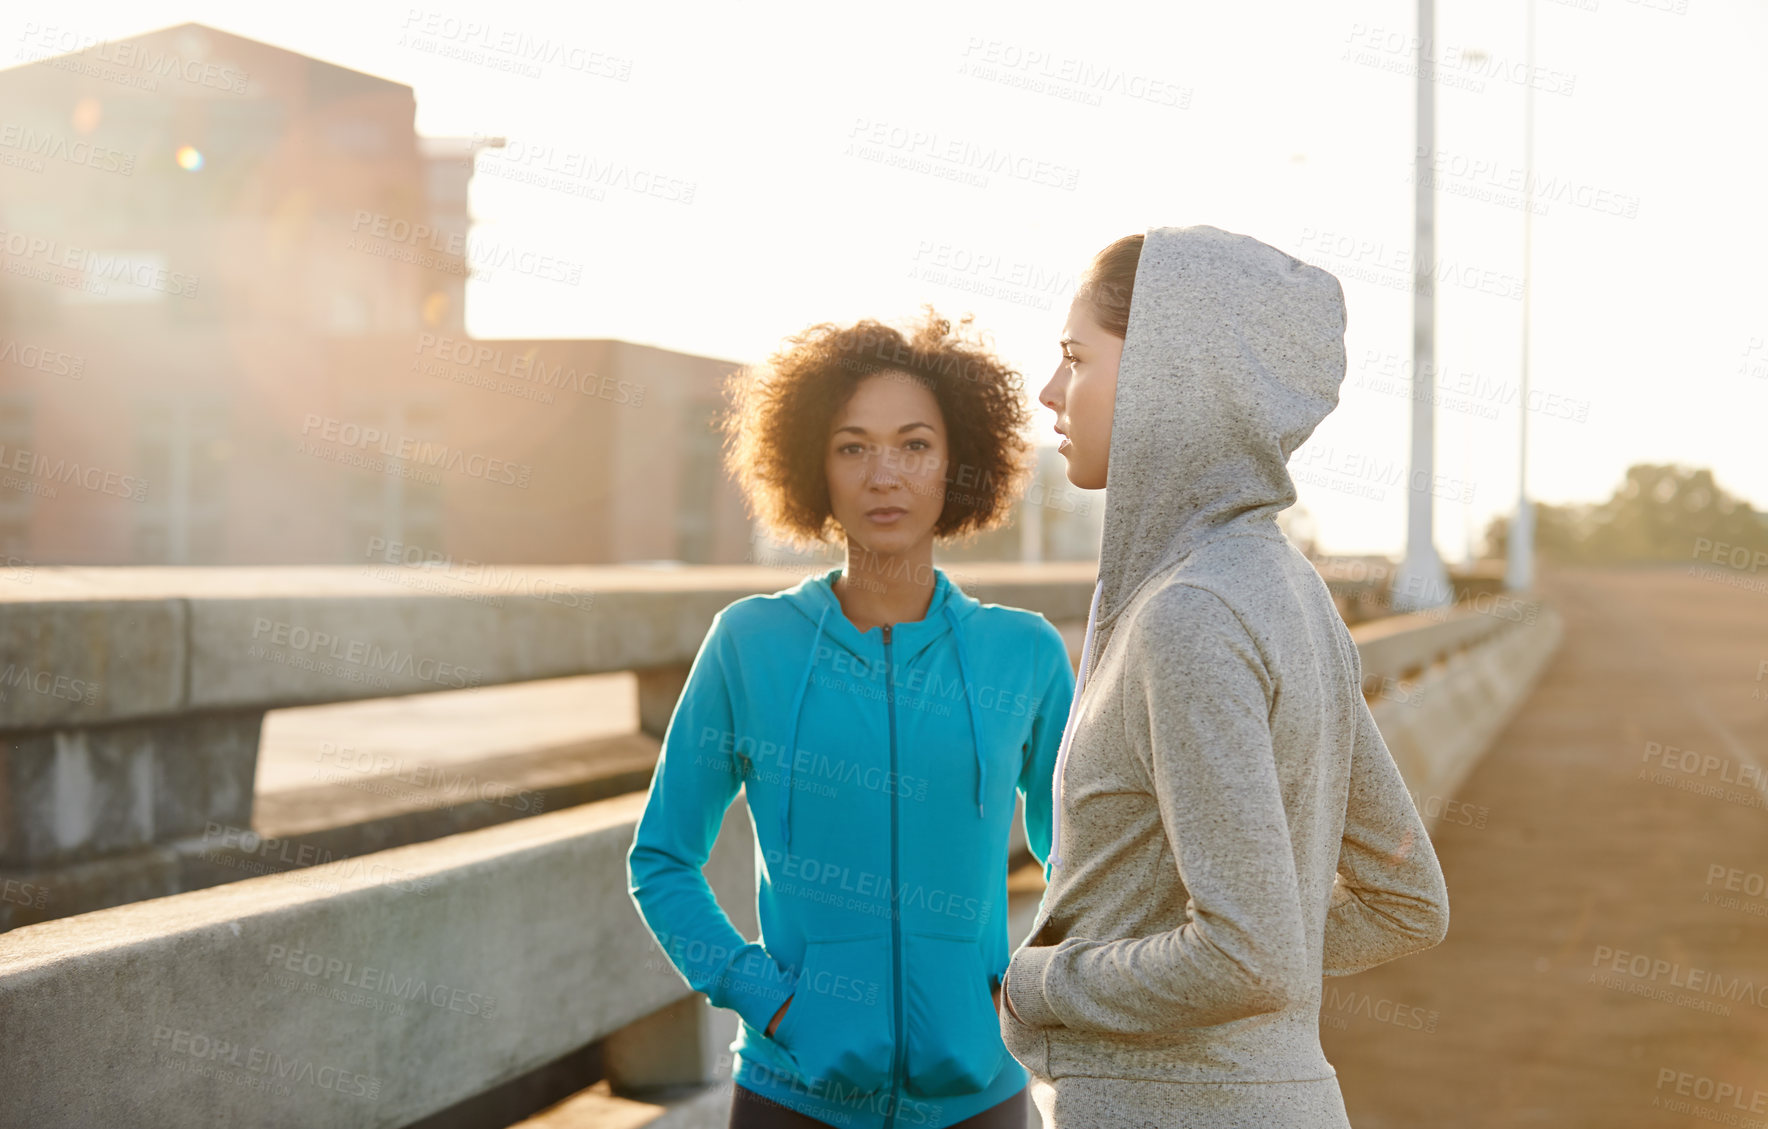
(1229, 826)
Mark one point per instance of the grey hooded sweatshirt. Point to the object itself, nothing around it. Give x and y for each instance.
(1229, 825)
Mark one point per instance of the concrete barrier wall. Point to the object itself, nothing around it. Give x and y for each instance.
(1439, 722)
(1398, 646)
(162, 641)
(370, 992)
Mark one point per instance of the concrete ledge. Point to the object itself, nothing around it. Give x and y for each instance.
(29, 896)
(1401, 645)
(1439, 726)
(79, 661)
(164, 641)
(359, 813)
(69, 794)
(295, 829)
(410, 980)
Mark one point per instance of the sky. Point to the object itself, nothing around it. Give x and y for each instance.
(755, 169)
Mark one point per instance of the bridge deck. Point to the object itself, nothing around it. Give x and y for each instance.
(1577, 848)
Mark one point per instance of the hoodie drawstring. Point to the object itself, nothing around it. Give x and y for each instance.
(792, 741)
(970, 701)
(798, 706)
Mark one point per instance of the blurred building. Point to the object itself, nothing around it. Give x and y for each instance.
(232, 281)
(231, 331)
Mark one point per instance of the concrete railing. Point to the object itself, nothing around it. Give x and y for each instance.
(372, 992)
(1401, 646)
(135, 697)
(378, 990)
(1443, 684)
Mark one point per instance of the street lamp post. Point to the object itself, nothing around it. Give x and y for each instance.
(1422, 581)
(1519, 572)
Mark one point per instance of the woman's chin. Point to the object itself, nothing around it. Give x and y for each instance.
(1080, 479)
(885, 542)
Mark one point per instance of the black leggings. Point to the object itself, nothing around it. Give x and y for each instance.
(750, 1110)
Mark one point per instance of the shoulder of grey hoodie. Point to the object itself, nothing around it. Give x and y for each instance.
(1232, 662)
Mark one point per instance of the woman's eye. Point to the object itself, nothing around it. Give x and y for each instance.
(923, 444)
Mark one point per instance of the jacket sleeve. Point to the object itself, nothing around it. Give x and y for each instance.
(1388, 898)
(696, 779)
(1197, 698)
(1038, 760)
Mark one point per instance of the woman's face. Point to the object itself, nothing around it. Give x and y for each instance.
(1083, 392)
(886, 464)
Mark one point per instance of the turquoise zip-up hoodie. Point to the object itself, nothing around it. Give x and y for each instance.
(881, 842)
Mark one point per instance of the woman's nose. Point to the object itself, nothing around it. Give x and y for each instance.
(1050, 395)
(880, 472)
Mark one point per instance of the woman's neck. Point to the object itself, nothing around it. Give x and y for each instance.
(876, 589)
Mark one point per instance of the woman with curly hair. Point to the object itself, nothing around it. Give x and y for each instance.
(879, 722)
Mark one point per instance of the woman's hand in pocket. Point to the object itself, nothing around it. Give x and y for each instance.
(777, 1016)
(1001, 998)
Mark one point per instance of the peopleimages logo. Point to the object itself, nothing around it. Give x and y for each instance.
(74, 50)
(1732, 1095)
(1371, 260)
(953, 158)
(1486, 179)
(72, 473)
(52, 361)
(99, 266)
(450, 785)
(574, 172)
(367, 654)
(527, 365)
(1651, 969)
(870, 891)
(49, 684)
(1690, 762)
(1064, 76)
(60, 148)
(368, 978)
(260, 1060)
(416, 451)
(510, 49)
(1740, 557)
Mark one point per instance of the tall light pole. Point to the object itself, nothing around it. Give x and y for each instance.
(1519, 571)
(1422, 581)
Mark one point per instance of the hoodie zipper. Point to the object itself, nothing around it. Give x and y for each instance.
(895, 880)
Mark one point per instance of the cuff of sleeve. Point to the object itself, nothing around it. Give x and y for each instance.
(756, 999)
(1025, 992)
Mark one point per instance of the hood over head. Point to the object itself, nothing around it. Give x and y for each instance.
(1234, 353)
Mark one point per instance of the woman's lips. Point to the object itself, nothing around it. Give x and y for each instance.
(885, 517)
(1063, 445)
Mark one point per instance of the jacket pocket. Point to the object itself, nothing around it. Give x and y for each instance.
(954, 1033)
(837, 1029)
